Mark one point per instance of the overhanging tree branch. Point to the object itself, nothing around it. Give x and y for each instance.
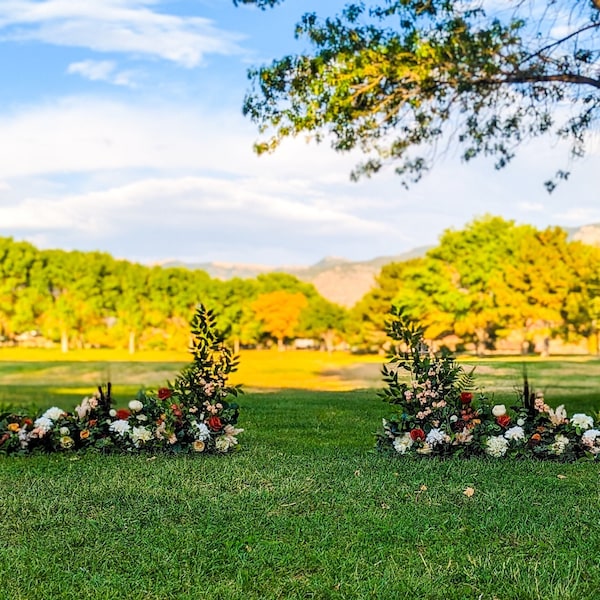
(392, 77)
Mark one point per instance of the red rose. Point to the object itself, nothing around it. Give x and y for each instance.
(417, 434)
(164, 393)
(123, 414)
(215, 423)
(466, 397)
(503, 421)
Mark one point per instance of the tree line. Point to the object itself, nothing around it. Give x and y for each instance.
(90, 299)
(491, 283)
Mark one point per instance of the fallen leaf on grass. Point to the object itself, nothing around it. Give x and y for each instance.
(561, 476)
(385, 506)
(469, 492)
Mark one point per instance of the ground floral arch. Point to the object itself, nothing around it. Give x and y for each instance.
(437, 411)
(194, 414)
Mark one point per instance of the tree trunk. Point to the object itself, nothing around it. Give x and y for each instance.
(328, 337)
(131, 342)
(236, 345)
(280, 345)
(64, 341)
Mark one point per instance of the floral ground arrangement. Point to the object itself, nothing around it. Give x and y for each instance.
(439, 413)
(194, 414)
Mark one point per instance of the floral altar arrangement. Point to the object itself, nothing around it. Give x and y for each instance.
(438, 414)
(191, 415)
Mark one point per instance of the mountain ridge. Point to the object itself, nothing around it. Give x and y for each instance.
(342, 280)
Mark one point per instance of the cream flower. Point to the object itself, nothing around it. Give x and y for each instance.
(499, 410)
(198, 446)
(231, 430)
(582, 421)
(558, 416)
(84, 408)
(64, 431)
(141, 435)
(135, 406)
(424, 449)
(66, 441)
(402, 443)
(463, 437)
(496, 446)
(225, 442)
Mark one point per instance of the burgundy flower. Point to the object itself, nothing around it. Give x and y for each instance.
(466, 397)
(215, 423)
(417, 434)
(164, 393)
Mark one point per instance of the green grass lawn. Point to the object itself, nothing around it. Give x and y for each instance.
(304, 509)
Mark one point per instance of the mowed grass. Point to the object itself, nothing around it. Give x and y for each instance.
(304, 509)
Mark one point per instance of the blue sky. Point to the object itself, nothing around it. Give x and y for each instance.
(122, 131)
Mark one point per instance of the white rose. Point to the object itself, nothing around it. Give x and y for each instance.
(582, 421)
(499, 410)
(112, 412)
(64, 431)
(135, 406)
(514, 433)
(54, 413)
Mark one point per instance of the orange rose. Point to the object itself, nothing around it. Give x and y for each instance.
(503, 420)
(85, 434)
(536, 438)
(14, 427)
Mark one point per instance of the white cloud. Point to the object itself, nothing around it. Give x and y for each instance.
(531, 206)
(578, 215)
(129, 26)
(188, 201)
(101, 70)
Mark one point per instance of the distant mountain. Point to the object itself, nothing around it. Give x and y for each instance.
(338, 279)
(588, 234)
(341, 280)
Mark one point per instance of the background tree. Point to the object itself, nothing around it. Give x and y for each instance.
(395, 77)
(323, 320)
(279, 312)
